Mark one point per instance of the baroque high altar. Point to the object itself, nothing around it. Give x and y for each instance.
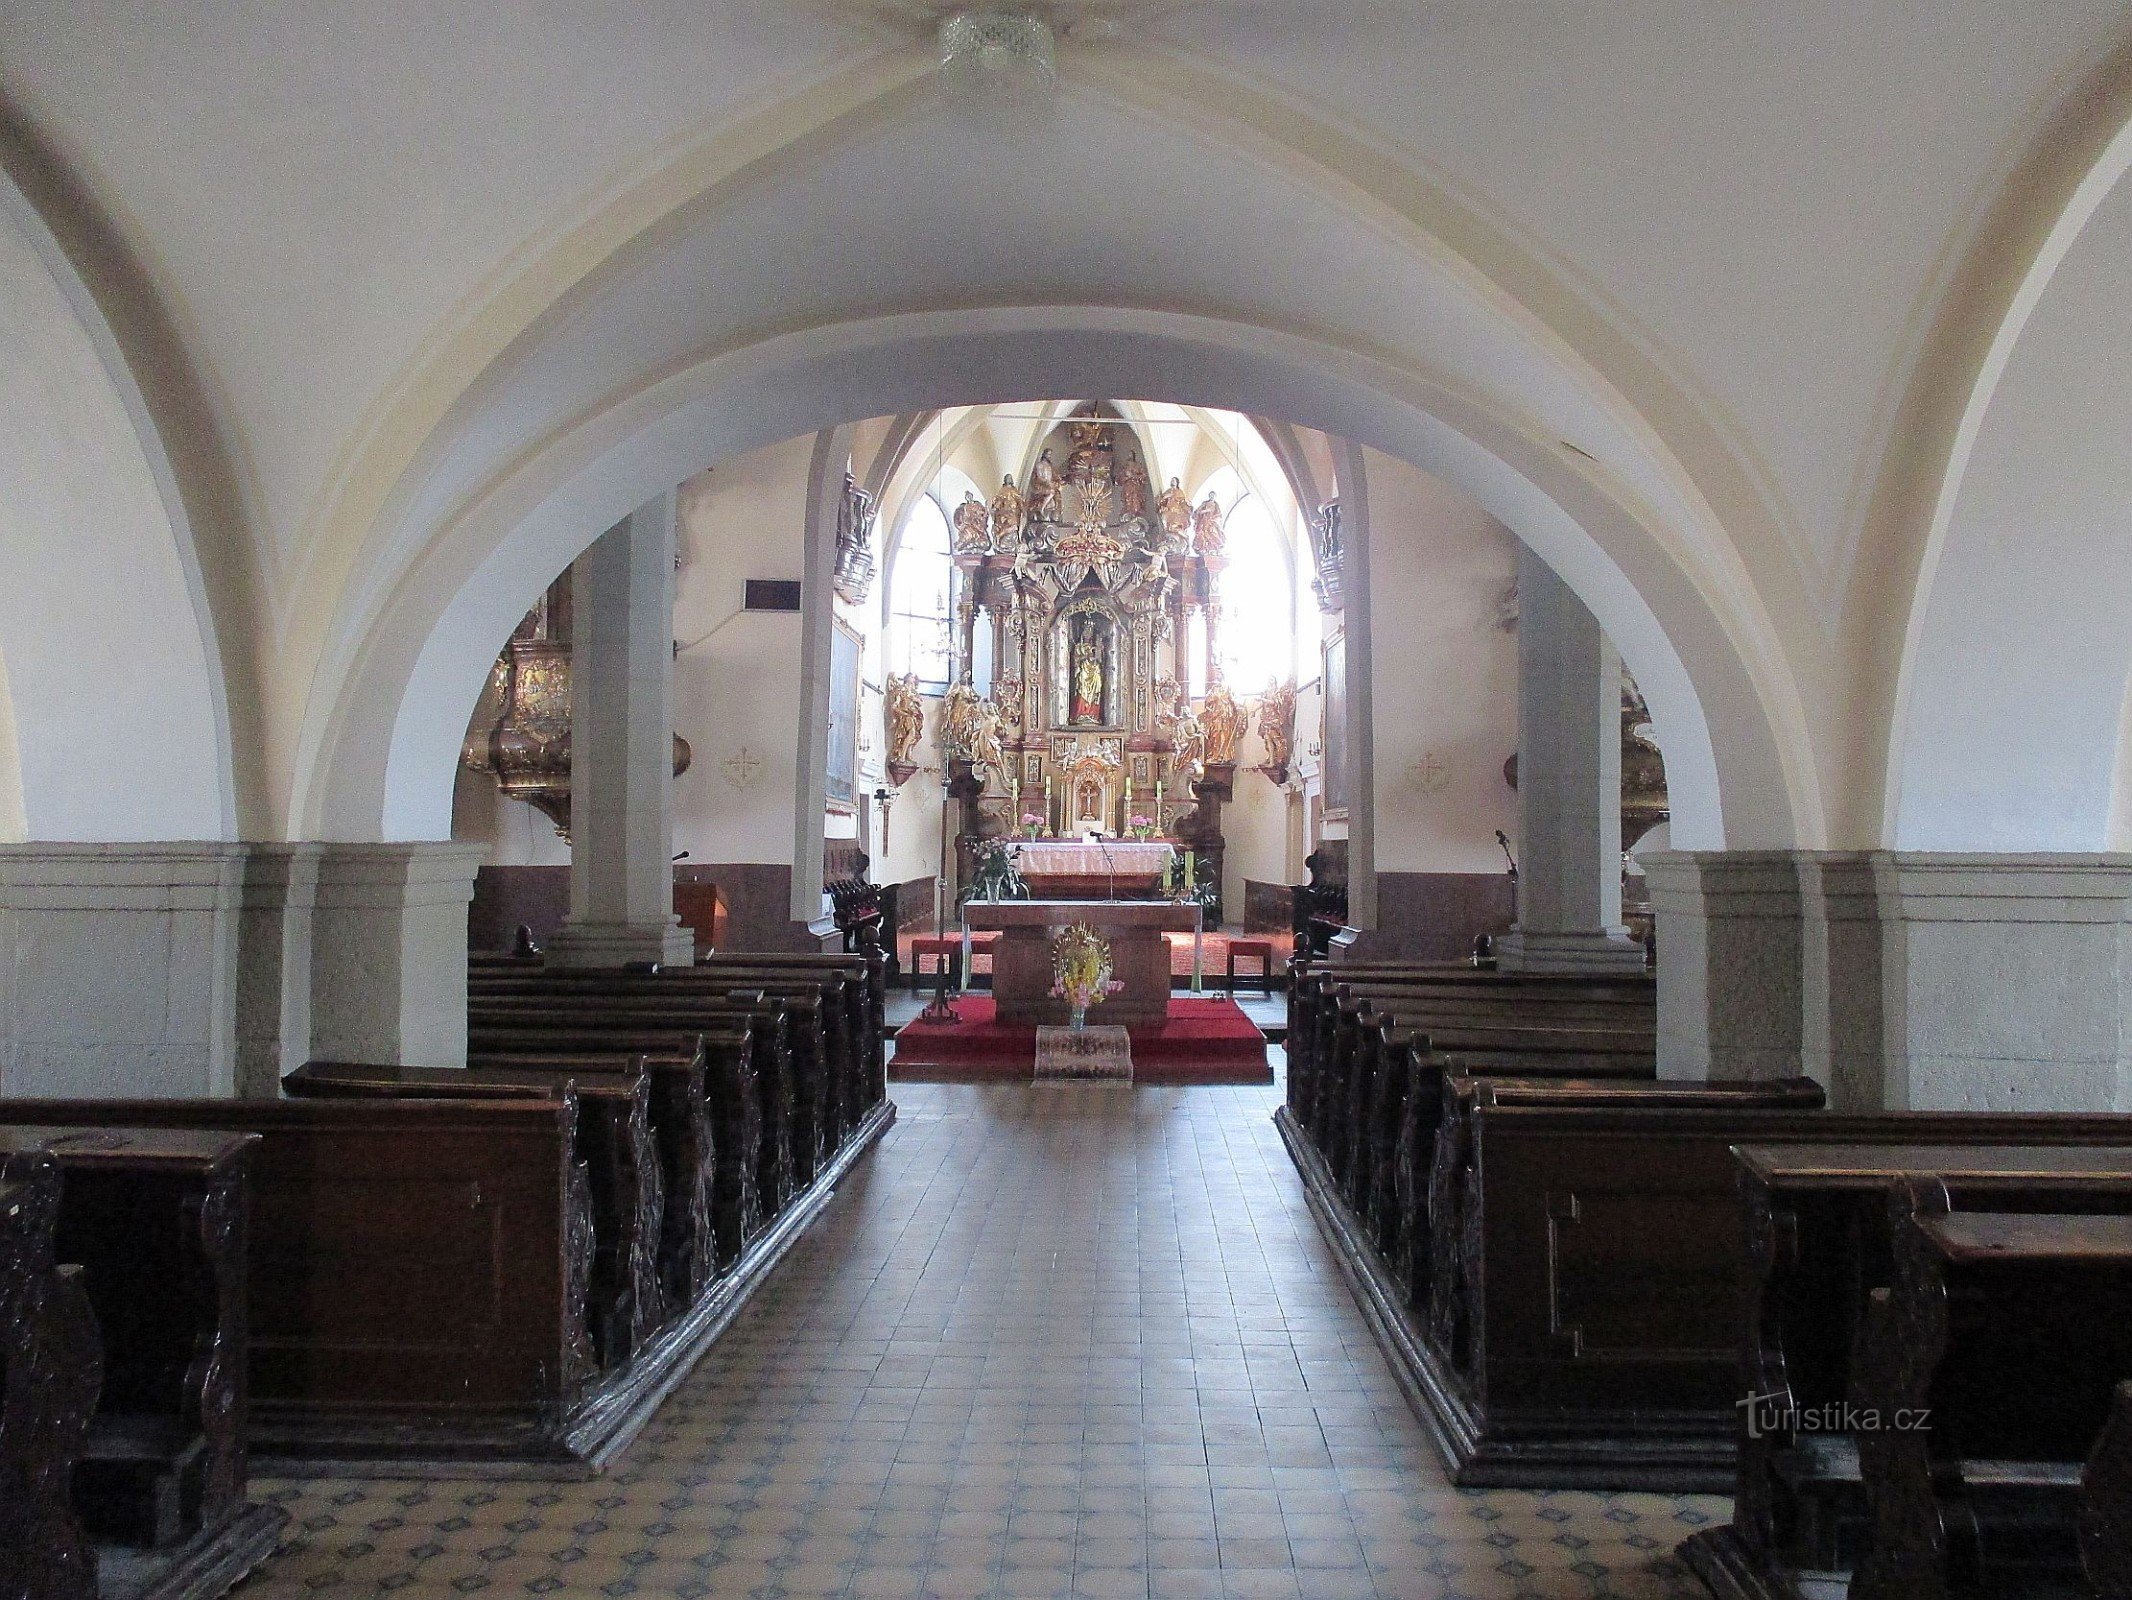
(1084, 582)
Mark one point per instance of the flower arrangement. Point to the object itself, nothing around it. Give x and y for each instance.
(1142, 826)
(1032, 824)
(1080, 968)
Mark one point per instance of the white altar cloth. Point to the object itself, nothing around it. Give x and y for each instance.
(1062, 858)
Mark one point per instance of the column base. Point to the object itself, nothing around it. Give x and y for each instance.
(1609, 951)
(617, 944)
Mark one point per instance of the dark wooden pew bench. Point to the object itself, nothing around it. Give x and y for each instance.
(51, 1369)
(1819, 1233)
(627, 1299)
(730, 1050)
(416, 1279)
(158, 1221)
(1992, 1362)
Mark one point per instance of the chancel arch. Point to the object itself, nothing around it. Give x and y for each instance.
(448, 617)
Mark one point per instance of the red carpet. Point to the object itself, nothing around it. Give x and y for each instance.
(1204, 1041)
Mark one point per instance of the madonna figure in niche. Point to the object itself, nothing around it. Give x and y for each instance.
(1087, 682)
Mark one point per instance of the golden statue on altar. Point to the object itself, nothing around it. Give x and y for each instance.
(1174, 510)
(1087, 704)
(1224, 721)
(1208, 535)
(1007, 508)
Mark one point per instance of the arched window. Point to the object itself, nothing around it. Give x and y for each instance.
(1256, 640)
(920, 597)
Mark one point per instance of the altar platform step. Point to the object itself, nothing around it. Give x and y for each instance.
(1204, 1040)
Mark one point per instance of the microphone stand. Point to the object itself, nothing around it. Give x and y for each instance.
(1503, 840)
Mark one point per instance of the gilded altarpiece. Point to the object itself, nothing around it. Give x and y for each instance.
(1085, 578)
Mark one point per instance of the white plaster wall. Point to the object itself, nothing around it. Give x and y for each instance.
(13, 828)
(2017, 682)
(737, 680)
(1446, 702)
(115, 694)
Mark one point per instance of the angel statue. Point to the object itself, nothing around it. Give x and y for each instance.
(1188, 745)
(1208, 535)
(905, 714)
(1276, 730)
(1006, 516)
(1174, 510)
(970, 729)
(1133, 487)
(1044, 489)
(1224, 721)
(971, 524)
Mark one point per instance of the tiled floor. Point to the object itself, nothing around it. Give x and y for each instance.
(1050, 1341)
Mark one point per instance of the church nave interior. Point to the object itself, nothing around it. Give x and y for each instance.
(1124, 798)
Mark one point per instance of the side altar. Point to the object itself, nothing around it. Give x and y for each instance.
(1074, 869)
(1139, 955)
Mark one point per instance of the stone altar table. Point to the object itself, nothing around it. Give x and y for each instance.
(1072, 869)
(1139, 955)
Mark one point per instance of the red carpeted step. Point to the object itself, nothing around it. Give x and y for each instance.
(1206, 1040)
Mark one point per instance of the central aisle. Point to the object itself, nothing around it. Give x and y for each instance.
(1057, 1341)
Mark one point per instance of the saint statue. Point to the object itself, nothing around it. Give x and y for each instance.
(1174, 509)
(905, 715)
(1224, 721)
(1208, 535)
(1087, 701)
(1044, 489)
(1006, 516)
(1007, 702)
(1276, 730)
(1188, 746)
(1133, 487)
(971, 523)
(1093, 454)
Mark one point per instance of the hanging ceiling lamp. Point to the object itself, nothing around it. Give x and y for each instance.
(996, 58)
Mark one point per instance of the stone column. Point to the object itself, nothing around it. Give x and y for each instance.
(1569, 787)
(621, 749)
(387, 951)
(1731, 963)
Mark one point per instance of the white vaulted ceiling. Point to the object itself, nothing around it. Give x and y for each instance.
(402, 252)
(1767, 193)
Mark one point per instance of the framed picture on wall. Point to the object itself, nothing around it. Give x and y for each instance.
(843, 785)
(1335, 738)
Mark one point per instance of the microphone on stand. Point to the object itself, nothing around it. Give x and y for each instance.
(1503, 839)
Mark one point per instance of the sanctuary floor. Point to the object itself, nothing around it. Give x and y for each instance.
(1056, 1341)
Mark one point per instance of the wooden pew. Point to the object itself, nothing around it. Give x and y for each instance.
(846, 984)
(1357, 1088)
(159, 1222)
(805, 1097)
(732, 1096)
(1991, 1362)
(1446, 993)
(51, 1368)
(1564, 1379)
(416, 1282)
(626, 1297)
(1820, 1240)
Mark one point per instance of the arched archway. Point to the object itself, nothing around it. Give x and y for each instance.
(383, 759)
